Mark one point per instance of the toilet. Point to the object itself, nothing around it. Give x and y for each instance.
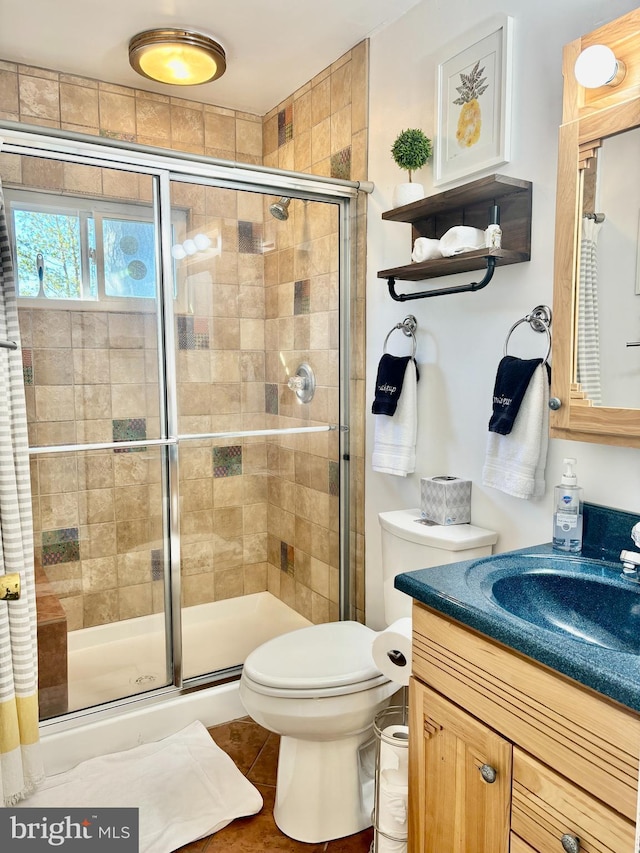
(409, 543)
(320, 690)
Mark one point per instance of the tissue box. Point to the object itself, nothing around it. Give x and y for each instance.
(445, 500)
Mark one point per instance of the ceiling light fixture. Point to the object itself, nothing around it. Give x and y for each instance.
(597, 66)
(177, 56)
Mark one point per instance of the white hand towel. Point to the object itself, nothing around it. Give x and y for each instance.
(394, 444)
(515, 463)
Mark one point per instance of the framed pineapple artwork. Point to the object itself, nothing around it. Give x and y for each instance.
(473, 102)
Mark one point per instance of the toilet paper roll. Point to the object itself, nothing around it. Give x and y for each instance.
(394, 742)
(391, 650)
(388, 845)
(392, 803)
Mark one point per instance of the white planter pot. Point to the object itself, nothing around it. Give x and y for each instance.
(406, 193)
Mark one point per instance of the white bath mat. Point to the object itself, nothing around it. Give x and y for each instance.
(185, 787)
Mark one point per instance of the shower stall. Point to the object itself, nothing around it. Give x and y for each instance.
(185, 334)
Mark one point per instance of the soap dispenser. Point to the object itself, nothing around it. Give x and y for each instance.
(567, 514)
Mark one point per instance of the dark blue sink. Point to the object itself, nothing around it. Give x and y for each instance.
(579, 599)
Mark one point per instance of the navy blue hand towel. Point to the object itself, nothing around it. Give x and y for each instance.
(391, 370)
(512, 380)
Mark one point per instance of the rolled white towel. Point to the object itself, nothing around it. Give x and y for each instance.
(424, 249)
(461, 238)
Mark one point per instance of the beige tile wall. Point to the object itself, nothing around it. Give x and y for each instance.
(234, 528)
(302, 512)
(324, 118)
(47, 98)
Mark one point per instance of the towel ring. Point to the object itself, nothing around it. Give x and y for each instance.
(408, 326)
(540, 321)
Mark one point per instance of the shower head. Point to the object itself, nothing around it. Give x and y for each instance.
(280, 208)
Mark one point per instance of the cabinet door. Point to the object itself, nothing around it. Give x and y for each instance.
(452, 807)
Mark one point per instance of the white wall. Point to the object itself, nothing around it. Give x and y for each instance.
(461, 337)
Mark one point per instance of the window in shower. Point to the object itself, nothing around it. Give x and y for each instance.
(68, 248)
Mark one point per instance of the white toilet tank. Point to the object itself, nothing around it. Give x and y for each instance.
(409, 544)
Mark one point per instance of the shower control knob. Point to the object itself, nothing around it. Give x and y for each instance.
(488, 773)
(303, 383)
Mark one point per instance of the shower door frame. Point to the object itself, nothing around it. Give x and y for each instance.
(167, 166)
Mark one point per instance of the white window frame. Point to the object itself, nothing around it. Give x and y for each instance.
(97, 208)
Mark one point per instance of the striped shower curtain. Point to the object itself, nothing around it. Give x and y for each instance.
(588, 367)
(20, 758)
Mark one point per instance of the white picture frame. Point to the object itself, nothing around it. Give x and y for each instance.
(473, 102)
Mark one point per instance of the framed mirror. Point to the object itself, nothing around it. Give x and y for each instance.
(596, 348)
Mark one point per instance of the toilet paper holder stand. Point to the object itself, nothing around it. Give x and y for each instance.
(391, 733)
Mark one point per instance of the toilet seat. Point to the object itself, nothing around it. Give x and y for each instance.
(330, 659)
(315, 693)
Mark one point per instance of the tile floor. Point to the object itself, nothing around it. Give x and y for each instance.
(255, 752)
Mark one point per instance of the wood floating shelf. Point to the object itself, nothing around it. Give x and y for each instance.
(470, 205)
(465, 262)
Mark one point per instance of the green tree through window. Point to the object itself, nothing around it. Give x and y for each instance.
(97, 250)
(57, 237)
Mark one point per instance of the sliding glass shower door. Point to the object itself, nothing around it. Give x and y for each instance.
(257, 297)
(183, 350)
(85, 244)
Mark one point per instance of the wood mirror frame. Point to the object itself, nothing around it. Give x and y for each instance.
(588, 117)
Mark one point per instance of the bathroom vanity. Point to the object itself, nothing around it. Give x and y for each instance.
(508, 755)
(523, 738)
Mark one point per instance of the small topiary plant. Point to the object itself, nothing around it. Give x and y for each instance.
(411, 150)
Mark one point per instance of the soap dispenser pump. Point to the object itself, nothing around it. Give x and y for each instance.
(567, 515)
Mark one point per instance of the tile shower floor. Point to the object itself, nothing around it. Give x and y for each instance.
(255, 752)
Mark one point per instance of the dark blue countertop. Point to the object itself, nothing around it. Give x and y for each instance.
(459, 590)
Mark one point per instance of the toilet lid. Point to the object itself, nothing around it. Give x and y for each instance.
(320, 656)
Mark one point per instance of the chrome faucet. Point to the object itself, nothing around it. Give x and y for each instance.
(631, 559)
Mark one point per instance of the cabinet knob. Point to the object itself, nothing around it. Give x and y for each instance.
(488, 773)
(570, 843)
(555, 403)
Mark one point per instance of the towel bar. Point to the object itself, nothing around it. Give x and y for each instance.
(444, 291)
(540, 321)
(408, 326)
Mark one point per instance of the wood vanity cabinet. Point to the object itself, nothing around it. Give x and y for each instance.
(508, 756)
